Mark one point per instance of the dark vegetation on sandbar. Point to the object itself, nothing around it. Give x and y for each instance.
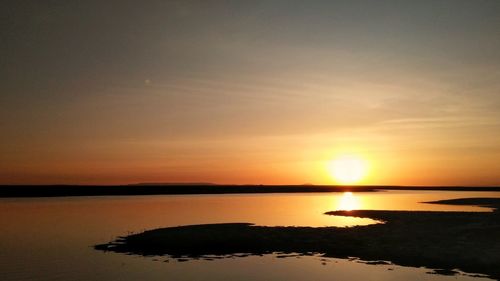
(200, 188)
(468, 241)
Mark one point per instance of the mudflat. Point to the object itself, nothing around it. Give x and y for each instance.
(469, 241)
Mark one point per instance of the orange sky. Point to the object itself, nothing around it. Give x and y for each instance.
(260, 93)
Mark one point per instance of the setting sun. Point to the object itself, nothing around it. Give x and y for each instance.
(348, 169)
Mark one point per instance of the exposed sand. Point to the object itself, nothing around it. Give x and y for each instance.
(469, 241)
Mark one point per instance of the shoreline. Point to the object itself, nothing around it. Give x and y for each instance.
(18, 191)
(443, 241)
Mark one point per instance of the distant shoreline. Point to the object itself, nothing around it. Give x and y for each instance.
(12, 191)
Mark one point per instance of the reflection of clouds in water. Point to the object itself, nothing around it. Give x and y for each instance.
(348, 202)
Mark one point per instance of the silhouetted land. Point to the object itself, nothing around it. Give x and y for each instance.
(442, 240)
(165, 189)
(197, 188)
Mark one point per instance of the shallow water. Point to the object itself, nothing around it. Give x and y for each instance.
(52, 238)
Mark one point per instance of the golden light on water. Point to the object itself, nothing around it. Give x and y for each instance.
(348, 202)
(348, 169)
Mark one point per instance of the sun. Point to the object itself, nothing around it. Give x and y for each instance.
(348, 169)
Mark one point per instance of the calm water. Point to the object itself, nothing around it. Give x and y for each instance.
(52, 238)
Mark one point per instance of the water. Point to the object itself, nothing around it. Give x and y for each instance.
(52, 238)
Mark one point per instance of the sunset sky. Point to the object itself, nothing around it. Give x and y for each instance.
(249, 92)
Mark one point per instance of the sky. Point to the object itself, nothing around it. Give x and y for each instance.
(249, 92)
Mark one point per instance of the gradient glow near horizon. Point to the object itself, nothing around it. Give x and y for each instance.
(249, 91)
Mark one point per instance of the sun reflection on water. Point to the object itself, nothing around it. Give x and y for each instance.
(348, 202)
